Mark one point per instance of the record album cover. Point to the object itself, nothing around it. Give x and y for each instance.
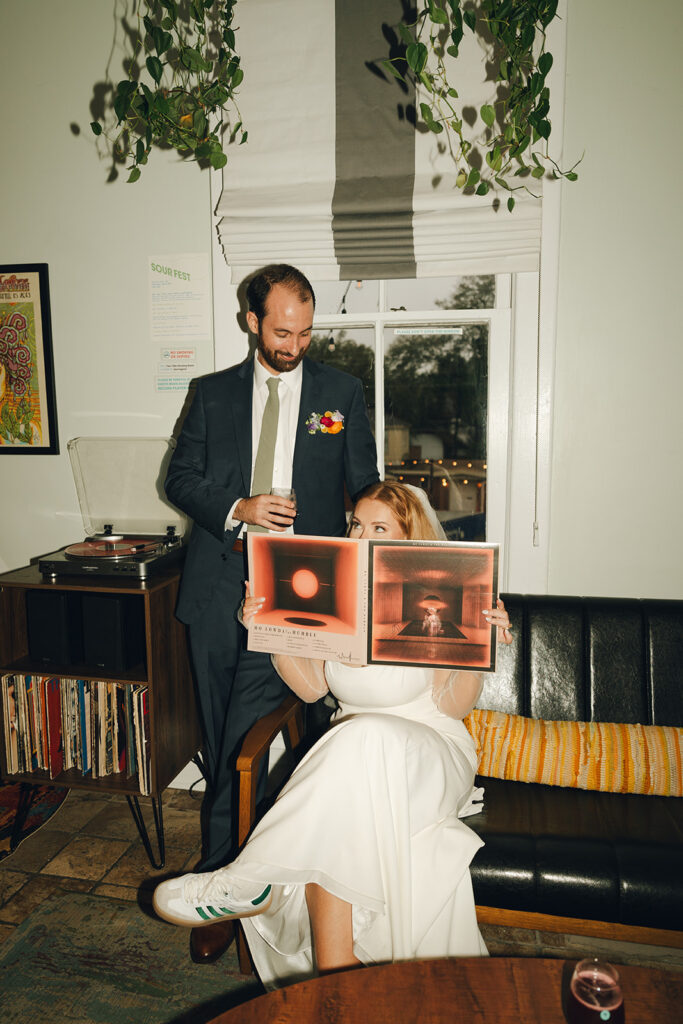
(371, 602)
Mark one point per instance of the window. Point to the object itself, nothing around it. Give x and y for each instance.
(433, 357)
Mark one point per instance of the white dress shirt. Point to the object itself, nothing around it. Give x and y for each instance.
(289, 395)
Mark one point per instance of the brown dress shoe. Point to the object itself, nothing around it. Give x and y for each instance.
(209, 943)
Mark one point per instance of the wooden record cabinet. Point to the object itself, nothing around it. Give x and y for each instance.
(174, 733)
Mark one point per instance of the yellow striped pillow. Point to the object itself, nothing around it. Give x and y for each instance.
(586, 755)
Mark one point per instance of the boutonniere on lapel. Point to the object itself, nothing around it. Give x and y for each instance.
(326, 423)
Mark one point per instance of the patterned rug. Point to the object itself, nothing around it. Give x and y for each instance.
(87, 958)
(46, 800)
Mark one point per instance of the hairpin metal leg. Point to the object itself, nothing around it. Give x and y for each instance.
(198, 760)
(142, 828)
(27, 794)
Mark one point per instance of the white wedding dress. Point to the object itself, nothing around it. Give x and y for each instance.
(372, 814)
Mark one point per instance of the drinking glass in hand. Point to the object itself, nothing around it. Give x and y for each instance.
(595, 994)
(285, 492)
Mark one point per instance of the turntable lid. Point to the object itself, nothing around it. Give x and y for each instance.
(119, 481)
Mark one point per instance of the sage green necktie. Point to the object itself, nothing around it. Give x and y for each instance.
(265, 456)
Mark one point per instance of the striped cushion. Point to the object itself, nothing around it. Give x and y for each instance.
(585, 755)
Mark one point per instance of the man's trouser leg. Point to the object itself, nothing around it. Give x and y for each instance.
(235, 688)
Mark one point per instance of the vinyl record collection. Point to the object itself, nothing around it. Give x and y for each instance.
(58, 724)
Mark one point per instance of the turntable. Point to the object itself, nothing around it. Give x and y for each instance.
(131, 529)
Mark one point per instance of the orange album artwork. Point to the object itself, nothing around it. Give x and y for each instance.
(369, 602)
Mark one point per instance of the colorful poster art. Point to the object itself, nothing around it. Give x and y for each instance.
(28, 423)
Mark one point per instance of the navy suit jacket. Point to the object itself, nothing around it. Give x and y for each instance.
(211, 466)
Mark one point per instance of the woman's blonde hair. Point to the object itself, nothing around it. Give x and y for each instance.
(405, 506)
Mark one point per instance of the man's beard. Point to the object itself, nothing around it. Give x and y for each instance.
(275, 360)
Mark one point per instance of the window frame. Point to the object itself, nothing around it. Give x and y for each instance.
(499, 321)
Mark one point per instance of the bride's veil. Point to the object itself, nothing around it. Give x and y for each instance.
(428, 510)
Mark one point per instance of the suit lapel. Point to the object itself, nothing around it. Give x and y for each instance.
(241, 399)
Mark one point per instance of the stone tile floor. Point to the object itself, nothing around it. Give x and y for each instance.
(92, 845)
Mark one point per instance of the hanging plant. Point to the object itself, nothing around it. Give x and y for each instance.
(183, 70)
(514, 130)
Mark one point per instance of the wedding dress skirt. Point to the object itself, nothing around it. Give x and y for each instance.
(372, 814)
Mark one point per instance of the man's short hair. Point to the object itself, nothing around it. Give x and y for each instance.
(259, 286)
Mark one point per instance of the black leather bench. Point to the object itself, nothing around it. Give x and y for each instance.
(571, 860)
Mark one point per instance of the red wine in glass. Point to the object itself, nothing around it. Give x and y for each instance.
(595, 995)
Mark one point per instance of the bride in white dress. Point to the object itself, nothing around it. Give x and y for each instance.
(363, 858)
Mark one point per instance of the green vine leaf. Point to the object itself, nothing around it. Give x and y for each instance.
(416, 56)
(545, 62)
(436, 14)
(388, 66)
(124, 92)
(163, 41)
(155, 68)
(199, 123)
(549, 13)
(406, 35)
(488, 115)
(522, 145)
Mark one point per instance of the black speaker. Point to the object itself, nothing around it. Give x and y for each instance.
(113, 631)
(53, 619)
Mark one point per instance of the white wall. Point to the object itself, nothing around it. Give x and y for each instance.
(617, 485)
(616, 482)
(96, 238)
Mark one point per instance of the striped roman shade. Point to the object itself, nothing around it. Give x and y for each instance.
(334, 177)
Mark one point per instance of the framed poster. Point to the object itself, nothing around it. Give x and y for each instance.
(28, 418)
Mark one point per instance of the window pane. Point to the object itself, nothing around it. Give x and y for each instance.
(352, 350)
(470, 292)
(435, 395)
(346, 297)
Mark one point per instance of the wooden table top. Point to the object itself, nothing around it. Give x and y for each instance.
(471, 990)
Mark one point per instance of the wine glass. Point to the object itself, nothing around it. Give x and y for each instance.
(595, 994)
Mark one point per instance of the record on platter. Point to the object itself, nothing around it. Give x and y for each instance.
(112, 547)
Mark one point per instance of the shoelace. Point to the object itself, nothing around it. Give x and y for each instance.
(209, 888)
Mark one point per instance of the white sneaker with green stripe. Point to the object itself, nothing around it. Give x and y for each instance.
(196, 900)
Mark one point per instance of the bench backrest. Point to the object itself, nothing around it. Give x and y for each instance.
(590, 659)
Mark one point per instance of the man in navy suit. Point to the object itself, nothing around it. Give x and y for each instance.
(210, 478)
